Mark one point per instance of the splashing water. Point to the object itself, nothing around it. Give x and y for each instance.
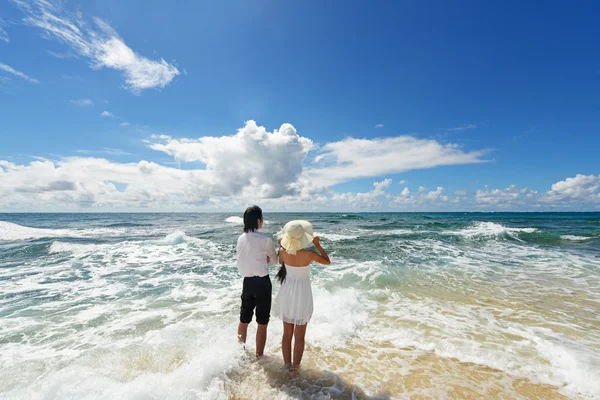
(140, 306)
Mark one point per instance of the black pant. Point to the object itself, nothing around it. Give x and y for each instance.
(256, 293)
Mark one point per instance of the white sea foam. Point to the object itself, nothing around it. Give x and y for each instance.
(395, 232)
(574, 238)
(11, 231)
(487, 229)
(335, 237)
(450, 330)
(235, 220)
(180, 361)
(14, 232)
(326, 327)
(65, 247)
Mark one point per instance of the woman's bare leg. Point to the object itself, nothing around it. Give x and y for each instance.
(299, 332)
(286, 343)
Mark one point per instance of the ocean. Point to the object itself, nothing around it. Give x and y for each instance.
(413, 305)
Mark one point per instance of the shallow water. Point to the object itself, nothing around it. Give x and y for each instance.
(139, 306)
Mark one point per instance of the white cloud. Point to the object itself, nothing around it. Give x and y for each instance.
(379, 126)
(11, 70)
(403, 182)
(251, 165)
(435, 194)
(433, 198)
(116, 152)
(362, 158)
(462, 193)
(105, 150)
(107, 114)
(510, 196)
(124, 124)
(99, 43)
(83, 102)
(62, 56)
(579, 189)
(361, 200)
(462, 128)
(252, 161)
(3, 34)
(84, 182)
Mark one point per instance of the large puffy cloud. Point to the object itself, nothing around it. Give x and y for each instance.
(253, 160)
(579, 189)
(359, 158)
(252, 164)
(99, 43)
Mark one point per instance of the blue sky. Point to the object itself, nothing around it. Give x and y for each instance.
(468, 96)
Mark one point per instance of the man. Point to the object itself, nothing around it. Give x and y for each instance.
(254, 252)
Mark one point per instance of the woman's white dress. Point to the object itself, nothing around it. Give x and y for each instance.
(294, 302)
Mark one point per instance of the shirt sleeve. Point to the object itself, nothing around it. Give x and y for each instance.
(271, 252)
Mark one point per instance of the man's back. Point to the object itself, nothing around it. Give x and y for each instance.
(253, 248)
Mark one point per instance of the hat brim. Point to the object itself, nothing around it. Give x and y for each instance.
(305, 240)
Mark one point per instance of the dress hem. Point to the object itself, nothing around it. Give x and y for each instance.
(294, 321)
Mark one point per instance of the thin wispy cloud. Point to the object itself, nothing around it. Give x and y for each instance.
(379, 126)
(108, 114)
(62, 56)
(11, 70)
(99, 43)
(462, 128)
(3, 34)
(83, 102)
(106, 150)
(71, 77)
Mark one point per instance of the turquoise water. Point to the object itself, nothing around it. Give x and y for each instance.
(461, 305)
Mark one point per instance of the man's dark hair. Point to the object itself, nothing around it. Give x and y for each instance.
(251, 217)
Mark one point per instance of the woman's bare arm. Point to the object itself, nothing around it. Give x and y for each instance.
(322, 258)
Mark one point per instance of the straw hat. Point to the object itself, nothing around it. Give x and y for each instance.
(296, 235)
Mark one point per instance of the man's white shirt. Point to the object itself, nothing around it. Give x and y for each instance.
(253, 248)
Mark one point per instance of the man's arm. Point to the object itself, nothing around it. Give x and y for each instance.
(272, 257)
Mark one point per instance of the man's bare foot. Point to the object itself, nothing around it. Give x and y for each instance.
(294, 368)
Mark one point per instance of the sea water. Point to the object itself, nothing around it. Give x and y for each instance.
(146, 306)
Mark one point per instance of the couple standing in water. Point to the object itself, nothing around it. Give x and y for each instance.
(294, 302)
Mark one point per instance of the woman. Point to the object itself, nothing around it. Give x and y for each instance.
(294, 302)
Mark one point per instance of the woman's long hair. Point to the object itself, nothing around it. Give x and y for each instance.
(282, 271)
(281, 274)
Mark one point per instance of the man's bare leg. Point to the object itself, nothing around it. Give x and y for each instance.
(242, 332)
(261, 339)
